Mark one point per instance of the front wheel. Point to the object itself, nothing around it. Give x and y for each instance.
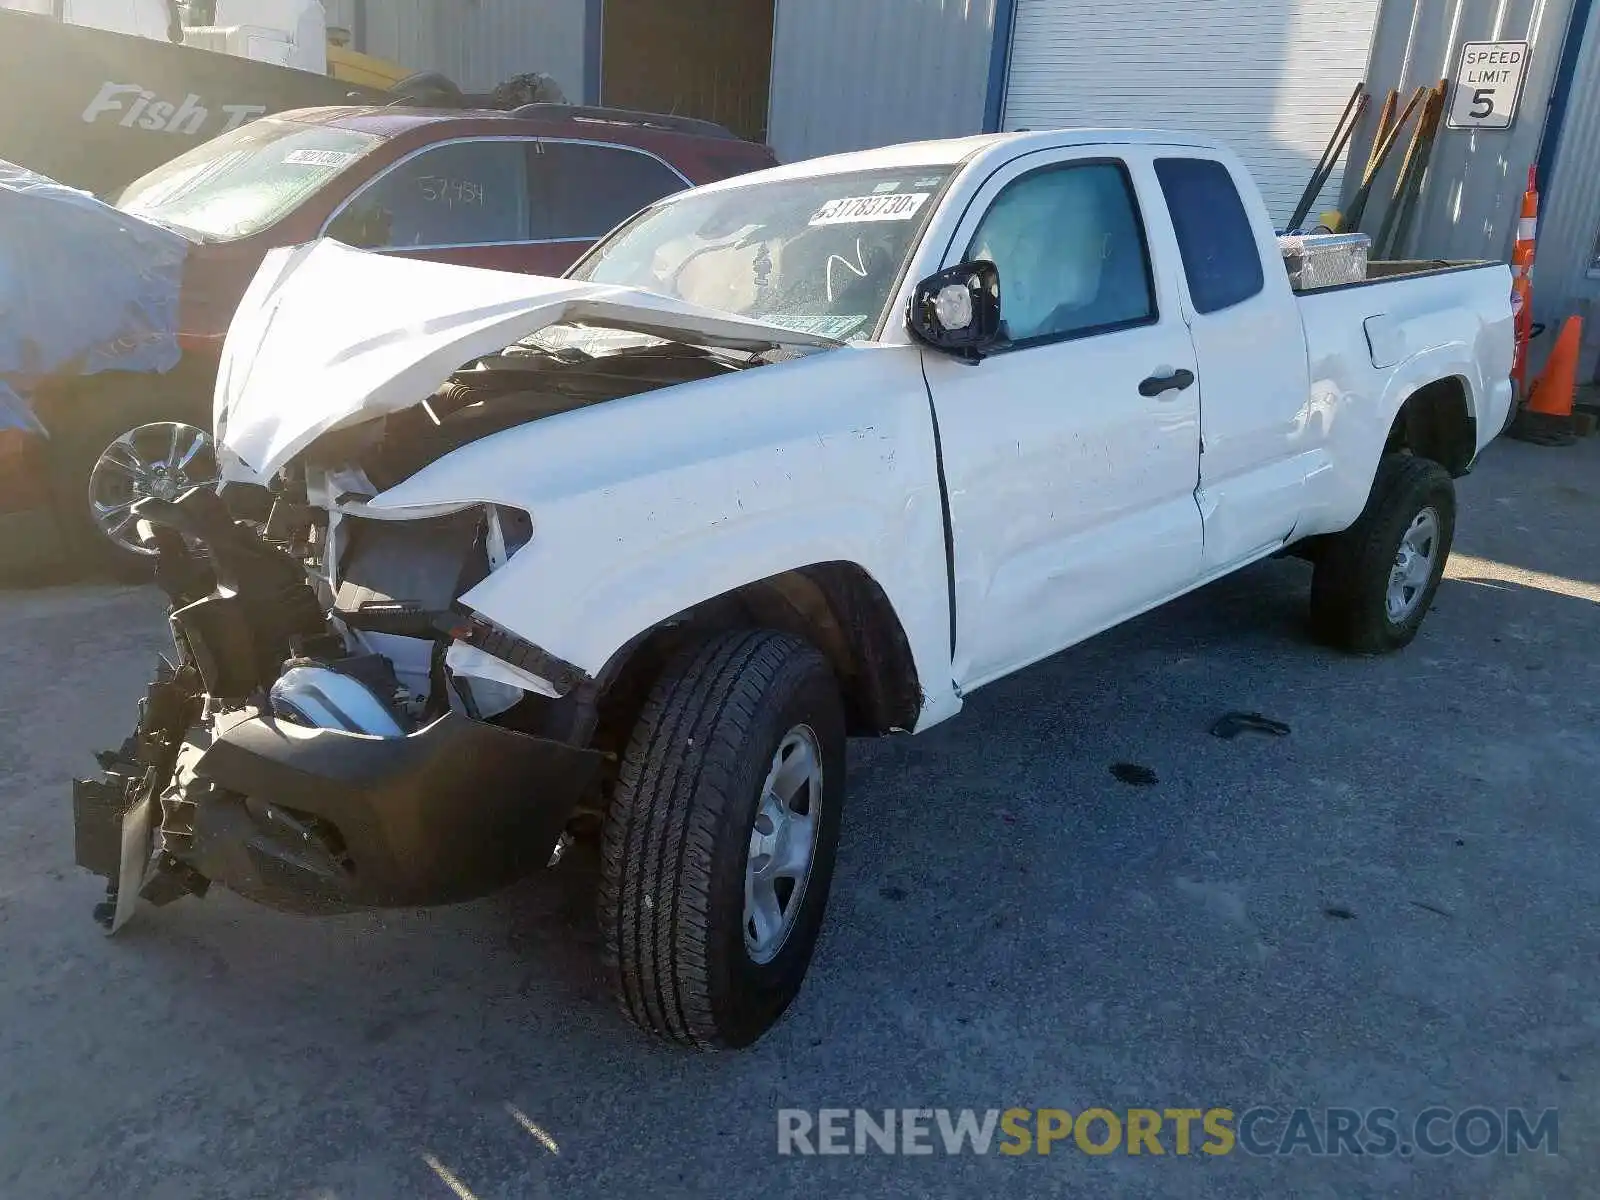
(719, 843)
(1374, 582)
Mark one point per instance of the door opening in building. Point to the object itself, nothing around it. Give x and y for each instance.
(693, 58)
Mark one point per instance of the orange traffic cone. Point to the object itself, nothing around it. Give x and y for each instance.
(1522, 277)
(1547, 416)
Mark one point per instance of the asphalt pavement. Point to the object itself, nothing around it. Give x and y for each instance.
(1393, 906)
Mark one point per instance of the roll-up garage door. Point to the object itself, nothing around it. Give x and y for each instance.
(1268, 77)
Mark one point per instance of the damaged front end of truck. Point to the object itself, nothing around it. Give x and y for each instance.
(282, 757)
(337, 729)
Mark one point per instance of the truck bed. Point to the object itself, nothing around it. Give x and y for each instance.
(1390, 268)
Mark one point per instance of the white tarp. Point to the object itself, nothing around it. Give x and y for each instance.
(328, 336)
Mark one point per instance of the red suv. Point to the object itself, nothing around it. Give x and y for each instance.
(527, 190)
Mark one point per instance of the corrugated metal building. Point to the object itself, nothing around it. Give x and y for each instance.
(818, 76)
(477, 43)
(1472, 194)
(1268, 76)
(705, 58)
(849, 74)
(1566, 277)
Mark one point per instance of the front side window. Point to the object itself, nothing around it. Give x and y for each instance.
(820, 255)
(239, 183)
(1071, 253)
(1215, 240)
(588, 190)
(457, 194)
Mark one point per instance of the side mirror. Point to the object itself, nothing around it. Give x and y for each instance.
(957, 310)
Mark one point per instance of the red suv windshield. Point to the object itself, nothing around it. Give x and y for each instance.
(239, 183)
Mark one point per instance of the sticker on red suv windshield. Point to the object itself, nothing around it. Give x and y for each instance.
(319, 158)
(901, 206)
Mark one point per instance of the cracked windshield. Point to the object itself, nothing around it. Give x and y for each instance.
(817, 255)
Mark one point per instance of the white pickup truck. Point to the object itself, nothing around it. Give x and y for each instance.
(808, 454)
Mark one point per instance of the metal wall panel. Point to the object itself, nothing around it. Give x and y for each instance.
(477, 43)
(1566, 274)
(850, 74)
(493, 40)
(1267, 77)
(695, 58)
(403, 31)
(1470, 198)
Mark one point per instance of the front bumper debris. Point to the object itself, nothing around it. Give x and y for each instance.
(321, 819)
(213, 787)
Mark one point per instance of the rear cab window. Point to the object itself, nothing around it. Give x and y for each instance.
(244, 181)
(1215, 237)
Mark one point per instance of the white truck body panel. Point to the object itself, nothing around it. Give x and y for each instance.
(833, 460)
(1039, 490)
(1071, 495)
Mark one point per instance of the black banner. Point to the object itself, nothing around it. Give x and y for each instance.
(97, 110)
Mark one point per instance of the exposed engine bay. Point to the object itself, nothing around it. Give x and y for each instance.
(543, 376)
(335, 729)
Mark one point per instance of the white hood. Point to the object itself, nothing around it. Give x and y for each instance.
(328, 336)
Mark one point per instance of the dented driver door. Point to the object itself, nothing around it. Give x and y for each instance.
(1071, 453)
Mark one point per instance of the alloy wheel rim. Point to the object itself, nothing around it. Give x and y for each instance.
(163, 459)
(783, 843)
(1413, 566)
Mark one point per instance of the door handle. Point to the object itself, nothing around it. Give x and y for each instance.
(1175, 382)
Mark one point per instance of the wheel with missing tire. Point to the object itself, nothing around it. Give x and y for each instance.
(161, 459)
(719, 843)
(112, 447)
(1374, 583)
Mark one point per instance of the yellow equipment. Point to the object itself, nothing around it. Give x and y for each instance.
(364, 70)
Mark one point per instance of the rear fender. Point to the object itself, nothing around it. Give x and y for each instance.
(1365, 445)
(1451, 361)
(1360, 428)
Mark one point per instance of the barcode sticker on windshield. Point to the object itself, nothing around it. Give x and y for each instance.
(901, 206)
(318, 158)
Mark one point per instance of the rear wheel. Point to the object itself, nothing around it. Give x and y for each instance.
(1374, 582)
(719, 844)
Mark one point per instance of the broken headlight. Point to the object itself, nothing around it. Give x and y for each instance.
(323, 698)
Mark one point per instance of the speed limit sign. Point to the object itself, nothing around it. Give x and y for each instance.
(1488, 85)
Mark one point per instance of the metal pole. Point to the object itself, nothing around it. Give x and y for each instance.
(1330, 155)
(1385, 120)
(1432, 117)
(1402, 182)
(1358, 204)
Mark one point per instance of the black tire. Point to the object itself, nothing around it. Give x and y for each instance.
(1351, 579)
(677, 835)
(80, 432)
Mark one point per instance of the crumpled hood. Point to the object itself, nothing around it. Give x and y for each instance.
(328, 336)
